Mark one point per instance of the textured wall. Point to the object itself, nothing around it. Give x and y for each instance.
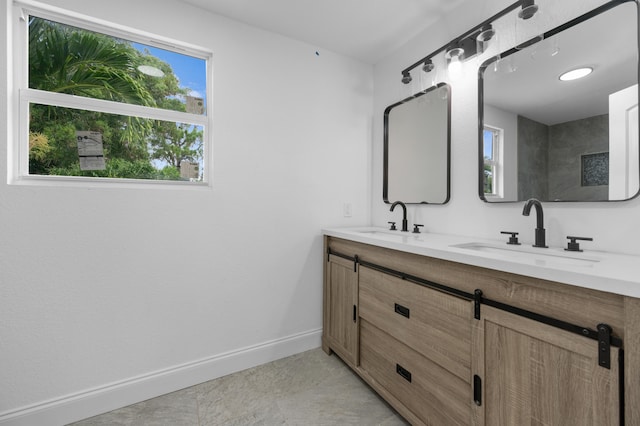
(550, 158)
(533, 159)
(567, 143)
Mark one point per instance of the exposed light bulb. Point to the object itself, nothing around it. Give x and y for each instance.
(455, 68)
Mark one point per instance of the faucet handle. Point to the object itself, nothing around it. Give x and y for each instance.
(393, 226)
(573, 245)
(513, 239)
(416, 230)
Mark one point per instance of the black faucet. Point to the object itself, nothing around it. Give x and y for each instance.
(540, 232)
(405, 225)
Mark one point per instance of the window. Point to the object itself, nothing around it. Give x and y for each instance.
(102, 102)
(492, 150)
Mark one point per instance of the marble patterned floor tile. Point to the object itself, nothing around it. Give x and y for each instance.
(222, 400)
(310, 389)
(177, 408)
(262, 416)
(297, 373)
(346, 402)
(125, 416)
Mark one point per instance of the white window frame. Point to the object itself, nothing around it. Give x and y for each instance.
(497, 163)
(23, 96)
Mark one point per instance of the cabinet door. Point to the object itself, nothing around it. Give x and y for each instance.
(340, 331)
(535, 374)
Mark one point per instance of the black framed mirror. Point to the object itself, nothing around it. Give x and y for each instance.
(417, 146)
(555, 140)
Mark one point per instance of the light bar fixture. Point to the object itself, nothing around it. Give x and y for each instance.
(471, 43)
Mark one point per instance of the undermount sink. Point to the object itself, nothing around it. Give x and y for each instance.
(393, 236)
(380, 232)
(533, 255)
(385, 234)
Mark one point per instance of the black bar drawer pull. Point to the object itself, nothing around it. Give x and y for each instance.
(402, 310)
(403, 372)
(477, 390)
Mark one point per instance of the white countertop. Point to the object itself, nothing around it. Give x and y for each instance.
(610, 272)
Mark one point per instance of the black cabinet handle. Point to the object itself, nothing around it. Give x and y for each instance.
(402, 310)
(355, 313)
(403, 372)
(477, 390)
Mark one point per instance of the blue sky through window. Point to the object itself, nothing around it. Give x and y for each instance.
(191, 72)
(488, 144)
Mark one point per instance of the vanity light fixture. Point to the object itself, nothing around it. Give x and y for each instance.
(406, 77)
(529, 25)
(454, 56)
(468, 42)
(576, 74)
(487, 32)
(464, 49)
(529, 9)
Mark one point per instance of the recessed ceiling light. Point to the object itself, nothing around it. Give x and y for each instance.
(576, 74)
(149, 70)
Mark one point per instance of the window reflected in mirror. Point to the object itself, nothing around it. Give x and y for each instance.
(492, 140)
(563, 139)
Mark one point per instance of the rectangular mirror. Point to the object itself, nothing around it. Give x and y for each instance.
(417, 138)
(554, 140)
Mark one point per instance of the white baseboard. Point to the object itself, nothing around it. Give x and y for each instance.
(81, 405)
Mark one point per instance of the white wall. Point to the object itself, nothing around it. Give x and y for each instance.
(109, 296)
(613, 225)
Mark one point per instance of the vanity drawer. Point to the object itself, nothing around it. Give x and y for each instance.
(433, 323)
(429, 391)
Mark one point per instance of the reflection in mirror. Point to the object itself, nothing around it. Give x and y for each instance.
(554, 140)
(416, 148)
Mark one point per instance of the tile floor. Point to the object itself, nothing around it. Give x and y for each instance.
(308, 389)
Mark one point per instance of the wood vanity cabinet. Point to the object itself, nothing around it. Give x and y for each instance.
(415, 342)
(443, 354)
(537, 374)
(340, 322)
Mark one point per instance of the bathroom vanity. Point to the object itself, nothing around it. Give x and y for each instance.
(453, 332)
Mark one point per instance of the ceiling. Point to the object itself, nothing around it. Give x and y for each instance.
(370, 30)
(534, 89)
(367, 30)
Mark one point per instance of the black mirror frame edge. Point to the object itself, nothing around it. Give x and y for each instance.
(385, 184)
(597, 11)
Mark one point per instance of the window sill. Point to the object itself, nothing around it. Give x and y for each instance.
(95, 183)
